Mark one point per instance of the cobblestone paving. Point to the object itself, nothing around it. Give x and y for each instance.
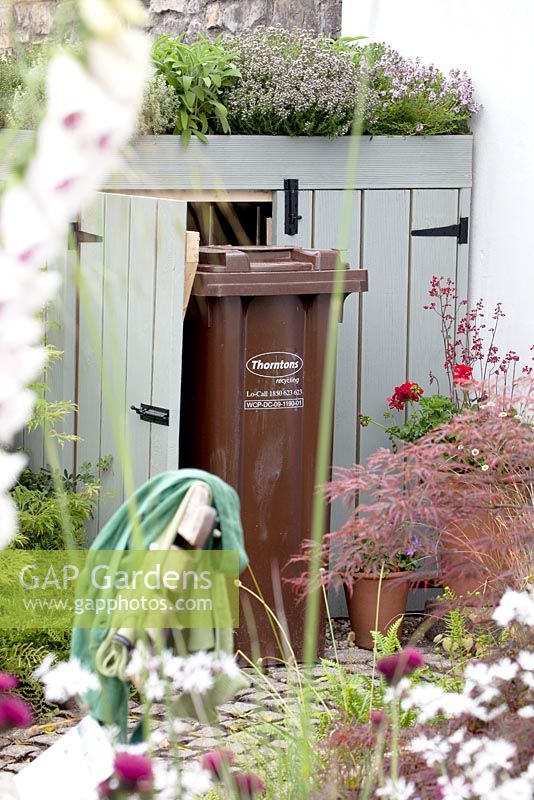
(253, 705)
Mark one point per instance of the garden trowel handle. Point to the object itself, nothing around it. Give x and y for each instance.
(199, 517)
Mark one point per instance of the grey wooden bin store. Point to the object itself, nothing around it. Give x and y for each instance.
(122, 341)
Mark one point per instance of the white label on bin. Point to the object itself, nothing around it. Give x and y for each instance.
(275, 365)
(273, 381)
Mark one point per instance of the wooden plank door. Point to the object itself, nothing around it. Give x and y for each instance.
(337, 223)
(400, 340)
(130, 339)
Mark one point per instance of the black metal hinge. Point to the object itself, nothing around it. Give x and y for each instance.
(460, 231)
(155, 414)
(291, 189)
(78, 236)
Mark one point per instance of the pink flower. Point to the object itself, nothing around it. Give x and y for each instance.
(398, 665)
(248, 785)
(15, 713)
(8, 682)
(377, 717)
(133, 769)
(216, 760)
(106, 790)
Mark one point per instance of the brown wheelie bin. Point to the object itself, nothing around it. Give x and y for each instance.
(254, 342)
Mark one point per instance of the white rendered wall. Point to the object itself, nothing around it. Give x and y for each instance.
(492, 40)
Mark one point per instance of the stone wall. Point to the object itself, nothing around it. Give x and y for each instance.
(232, 16)
(33, 18)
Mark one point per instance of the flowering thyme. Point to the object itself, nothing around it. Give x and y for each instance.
(406, 97)
(292, 83)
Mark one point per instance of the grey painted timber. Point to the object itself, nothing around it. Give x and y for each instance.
(262, 162)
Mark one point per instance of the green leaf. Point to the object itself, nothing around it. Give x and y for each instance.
(187, 80)
(186, 137)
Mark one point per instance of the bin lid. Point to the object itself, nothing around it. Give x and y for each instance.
(250, 271)
(265, 259)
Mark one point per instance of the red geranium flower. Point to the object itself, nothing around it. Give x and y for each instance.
(15, 713)
(462, 373)
(405, 393)
(396, 666)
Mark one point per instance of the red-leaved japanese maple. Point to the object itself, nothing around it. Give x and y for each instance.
(479, 466)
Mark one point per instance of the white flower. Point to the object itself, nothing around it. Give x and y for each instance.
(27, 234)
(397, 790)
(454, 788)
(494, 754)
(458, 736)
(18, 329)
(434, 749)
(201, 660)
(483, 784)
(11, 465)
(431, 701)
(525, 659)
(66, 680)
(394, 692)
(527, 712)
(196, 780)
(157, 738)
(172, 666)
(79, 103)
(105, 19)
(19, 367)
(132, 12)
(467, 750)
(475, 452)
(154, 688)
(121, 65)
(484, 676)
(521, 788)
(166, 781)
(87, 120)
(14, 412)
(515, 607)
(100, 17)
(8, 521)
(228, 665)
(197, 681)
(60, 176)
(45, 667)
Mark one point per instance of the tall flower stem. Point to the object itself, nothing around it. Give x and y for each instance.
(376, 765)
(395, 731)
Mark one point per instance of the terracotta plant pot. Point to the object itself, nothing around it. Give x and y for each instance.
(458, 569)
(363, 599)
(469, 556)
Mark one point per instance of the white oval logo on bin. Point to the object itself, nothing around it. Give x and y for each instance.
(275, 365)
